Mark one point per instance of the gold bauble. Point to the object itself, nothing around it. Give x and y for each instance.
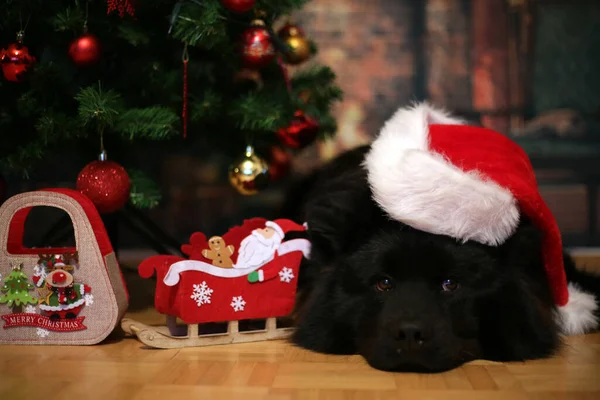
(249, 174)
(299, 46)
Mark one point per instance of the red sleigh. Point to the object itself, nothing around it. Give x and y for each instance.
(198, 291)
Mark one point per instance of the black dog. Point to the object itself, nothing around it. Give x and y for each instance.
(407, 300)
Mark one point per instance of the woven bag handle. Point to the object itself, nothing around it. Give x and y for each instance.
(86, 220)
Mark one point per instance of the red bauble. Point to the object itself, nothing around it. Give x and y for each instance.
(280, 163)
(16, 62)
(85, 50)
(106, 183)
(257, 49)
(301, 132)
(239, 6)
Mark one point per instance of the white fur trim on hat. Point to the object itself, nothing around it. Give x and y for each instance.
(578, 315)
(276, 227)
(424, 190)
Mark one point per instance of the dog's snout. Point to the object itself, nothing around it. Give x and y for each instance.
(413, 335)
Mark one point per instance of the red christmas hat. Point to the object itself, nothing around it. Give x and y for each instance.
(283, 226)
(433, 172)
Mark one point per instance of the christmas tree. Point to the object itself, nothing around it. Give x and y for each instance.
(108, 75)
(16, 289)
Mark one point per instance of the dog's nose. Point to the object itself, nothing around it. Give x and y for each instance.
(411, 336)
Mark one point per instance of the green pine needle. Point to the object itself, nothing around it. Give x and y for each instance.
(201, 25)
(144, 192)
(154, 123)
(71, 19)
(132, 33)
(97, 107)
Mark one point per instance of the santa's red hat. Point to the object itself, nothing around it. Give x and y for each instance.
(433, 172)
(283, 226)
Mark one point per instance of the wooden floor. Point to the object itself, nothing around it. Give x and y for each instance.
(123, 369)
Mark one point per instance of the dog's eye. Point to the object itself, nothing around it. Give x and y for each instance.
(384, 285)
(449, 285)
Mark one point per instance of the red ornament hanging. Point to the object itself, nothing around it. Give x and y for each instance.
(106, 183)
(238, 6)
(257, 47)
(121, 6)
(280, 163)
(85, 50)
(301, 132)
(16, 60)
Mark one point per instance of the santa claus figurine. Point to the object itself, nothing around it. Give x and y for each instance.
(264, 244)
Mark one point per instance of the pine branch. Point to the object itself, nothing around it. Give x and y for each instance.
(201, 25)
(133, 34)
(71, 19)
(98, 108)
(155, 123)
(209, 107)
(257, 112)
(144, 192)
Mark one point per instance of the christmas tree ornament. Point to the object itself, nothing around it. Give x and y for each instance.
(249, 174)
(301, 132)
(238, 6)
(121, 6)
(85, 50)
(280, 163)
(257, 47)
(16, 61)
(299, 48)
(106, 183)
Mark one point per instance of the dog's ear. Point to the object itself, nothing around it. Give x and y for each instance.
(524, 248)
(339, 209)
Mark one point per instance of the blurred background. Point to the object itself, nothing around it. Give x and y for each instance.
(529, 69)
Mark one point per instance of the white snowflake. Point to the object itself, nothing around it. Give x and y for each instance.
(89, 299)
(30, 309)
(201, 294)
(238, 303)
(286, 275)
(42, 332)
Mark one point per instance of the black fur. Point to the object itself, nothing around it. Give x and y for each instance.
(502, 309)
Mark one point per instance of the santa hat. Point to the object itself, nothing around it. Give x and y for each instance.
(283, 226)
(433, 172)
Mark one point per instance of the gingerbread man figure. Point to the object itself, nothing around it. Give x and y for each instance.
(219, 253)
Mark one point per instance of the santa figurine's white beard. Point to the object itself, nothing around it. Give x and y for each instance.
(256, 250)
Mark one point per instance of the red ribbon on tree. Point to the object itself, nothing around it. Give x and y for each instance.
(184, 112)
(122, 6)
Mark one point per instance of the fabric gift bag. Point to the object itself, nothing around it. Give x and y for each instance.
(58, 296)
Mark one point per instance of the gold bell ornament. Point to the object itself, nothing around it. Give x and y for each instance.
(249, 174)
(299, 48)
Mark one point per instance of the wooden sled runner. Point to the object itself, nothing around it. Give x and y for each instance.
(163, 337)
(200, 293)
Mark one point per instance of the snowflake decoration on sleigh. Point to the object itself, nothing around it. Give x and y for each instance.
(201, 294)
